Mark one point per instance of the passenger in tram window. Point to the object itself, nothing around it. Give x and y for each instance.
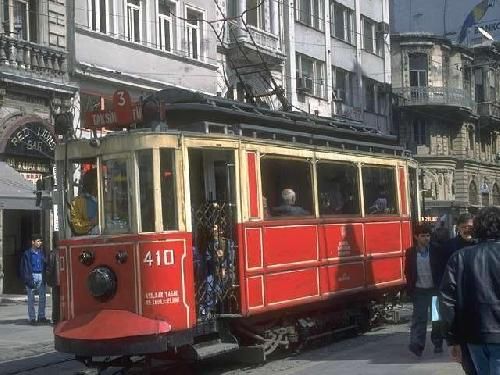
(379, 206)
(83, 210)
(288, 207)
(265, 207)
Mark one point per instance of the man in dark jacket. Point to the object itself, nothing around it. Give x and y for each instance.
(470, 295)
(463, 239)
(32, 272)
(423, 270)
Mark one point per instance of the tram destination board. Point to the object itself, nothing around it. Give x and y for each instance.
(123, 114)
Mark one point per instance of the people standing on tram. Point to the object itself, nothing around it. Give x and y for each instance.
(424, 265)
(83, 212)
(470, 295)
(288, 207)
(462, 239)
(33, 266)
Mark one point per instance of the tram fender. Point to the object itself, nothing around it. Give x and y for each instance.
(110, 324)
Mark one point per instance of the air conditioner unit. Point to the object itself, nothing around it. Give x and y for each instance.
(383, 28)
(304, 84)
(338, 95)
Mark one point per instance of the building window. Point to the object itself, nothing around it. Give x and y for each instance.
(492, 94)
(495, 192)
(473, 195)
(255, 13)
(479, 85)
(494, 144)
(311, 13)
(369, 88)
(381, 100)
(343, 22)
(193, 33)
(419, 134)
(24, 21)
(98, 15)
(134, 24)
(418, 69)
(343, 85)
(310, 76)
(373, 36)
(166, 14)
(470, 133)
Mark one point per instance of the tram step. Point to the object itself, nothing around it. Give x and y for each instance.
(213, 348)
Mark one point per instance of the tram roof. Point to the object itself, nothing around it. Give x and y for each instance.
(195, 111)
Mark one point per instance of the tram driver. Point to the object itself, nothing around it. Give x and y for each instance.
(288, 207)
(83, 210)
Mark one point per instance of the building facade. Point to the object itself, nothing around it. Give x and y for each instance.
(34, 88)
(323, 57)
(447, 113)
(141, 46)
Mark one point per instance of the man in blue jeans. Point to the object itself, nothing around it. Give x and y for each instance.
(33, 265)
(470, 295)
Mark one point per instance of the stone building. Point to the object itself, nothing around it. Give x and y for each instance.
(324, 57)
(34, 88)
(447, 113)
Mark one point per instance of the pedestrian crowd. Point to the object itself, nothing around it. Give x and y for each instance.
(457, 282)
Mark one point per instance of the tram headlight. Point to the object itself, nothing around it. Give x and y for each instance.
(102, 283)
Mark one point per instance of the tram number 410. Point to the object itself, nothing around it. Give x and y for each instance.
(159, 258)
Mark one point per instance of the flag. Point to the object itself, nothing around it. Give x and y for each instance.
(474, 16)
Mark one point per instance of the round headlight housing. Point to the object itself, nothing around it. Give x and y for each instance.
(102, 283)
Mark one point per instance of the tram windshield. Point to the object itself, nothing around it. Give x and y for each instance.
(115, 195)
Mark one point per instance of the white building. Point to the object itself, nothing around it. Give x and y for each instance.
(323, 57)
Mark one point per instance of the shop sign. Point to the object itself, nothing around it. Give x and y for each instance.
(32, 139)
(123, 114)
(31, 177)
(35, 166)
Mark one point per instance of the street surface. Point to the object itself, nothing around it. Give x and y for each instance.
(25, 349)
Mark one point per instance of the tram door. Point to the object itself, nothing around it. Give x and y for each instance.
(414, 195)
(212, 184)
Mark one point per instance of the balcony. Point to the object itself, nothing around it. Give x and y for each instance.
(489, 109)
(254, 46)
(435, 96)
(30, 59)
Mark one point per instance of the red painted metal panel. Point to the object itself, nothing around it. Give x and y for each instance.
(124, 298)
(402, 191)
(289, 286)
(252, 185)
(64, 281)
(406, 235)
(382, 237)
(253, 248)
(167, 290)
(283, 245)
(255, 291)
(342, 240)
(342, 277)
(383, 270)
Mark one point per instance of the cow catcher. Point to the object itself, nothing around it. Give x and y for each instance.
(228, 228)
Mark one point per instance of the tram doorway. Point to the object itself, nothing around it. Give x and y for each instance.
(212, 186)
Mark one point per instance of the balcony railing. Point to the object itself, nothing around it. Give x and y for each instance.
(489, 109)
(434, 96)
(31, 57)
(263, 39)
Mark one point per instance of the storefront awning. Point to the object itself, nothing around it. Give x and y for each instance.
(16, 193)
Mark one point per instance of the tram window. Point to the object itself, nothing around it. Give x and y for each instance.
(379, 186)
(338, 192)
(83, 208)
(167, 180)
(116, 195)
(145, 166)
(286, 187)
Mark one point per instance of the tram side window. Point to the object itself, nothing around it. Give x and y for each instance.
(116, 195)
(83, 208)
(338, 192)
(286, 187)
(167, 180)
(379, 186)
(145, 167)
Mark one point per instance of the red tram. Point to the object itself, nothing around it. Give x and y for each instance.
(218, 226)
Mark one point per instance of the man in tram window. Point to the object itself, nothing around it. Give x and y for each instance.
(424, 267)
(83, 210)
(380, 205)
(288, 207)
